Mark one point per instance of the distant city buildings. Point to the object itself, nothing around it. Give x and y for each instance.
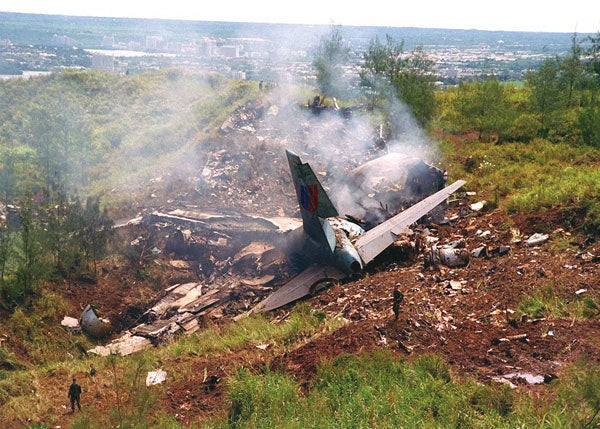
(108, 41)
(63, 40)
(154, 43)
(102, 62)
(208, 47)
(267, 56)
(230, 51)
(240, 75)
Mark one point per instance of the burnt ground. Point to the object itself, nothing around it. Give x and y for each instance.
(469, 315)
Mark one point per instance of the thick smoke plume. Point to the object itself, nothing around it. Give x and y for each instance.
(335, 142)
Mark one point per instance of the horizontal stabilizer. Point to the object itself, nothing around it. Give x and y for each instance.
(376, 240)
(299, 286)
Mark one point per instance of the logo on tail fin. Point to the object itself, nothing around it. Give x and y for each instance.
(309, 197)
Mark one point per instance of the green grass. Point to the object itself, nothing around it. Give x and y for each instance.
(546, 302)
(527, 178)
(369, 391)
(38, 336)
(372, 390)
(378, 390)
(21, 396)
(302, 324)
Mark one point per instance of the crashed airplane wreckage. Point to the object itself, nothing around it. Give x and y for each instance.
(337, 246)
(341, 246)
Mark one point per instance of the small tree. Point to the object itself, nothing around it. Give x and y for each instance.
(571, 70)
(593, 64)
(484, 106)
(588, 118)
(588, 122)
(547, 96)
(30, 263)
(5, 246)
(331, 54)
(388, 75)
(95, 231)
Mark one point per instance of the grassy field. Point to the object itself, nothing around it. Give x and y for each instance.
(523, 178)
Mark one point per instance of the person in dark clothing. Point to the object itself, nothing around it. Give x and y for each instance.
(75, 395)
(397, 299)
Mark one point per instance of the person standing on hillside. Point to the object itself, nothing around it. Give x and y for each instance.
(75, 395)
(397, 298)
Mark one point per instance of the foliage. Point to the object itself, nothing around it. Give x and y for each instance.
(548, 302)
(571, 70)
(38, 334)
(93, 231)
(52, 235)
(525, 178)
(484, 106)
(371, 390)
(377, 390)
(330, 56)
(134, 400)
(24, 263)
(547, 94)
(389, 75)
(577, 401)
(88, 133)
(302, 323)
(588, 121)
(592, 52)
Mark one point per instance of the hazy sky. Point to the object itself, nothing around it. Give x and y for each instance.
(581, 16)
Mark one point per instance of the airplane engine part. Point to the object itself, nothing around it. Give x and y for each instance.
(346, 255)
(448, 256)
(92, 325)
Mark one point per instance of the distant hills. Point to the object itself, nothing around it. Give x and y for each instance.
(26, 29)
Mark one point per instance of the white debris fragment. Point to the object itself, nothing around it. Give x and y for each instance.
(155, 377)
(536, 240)
(125, 345)
(70, 322)
(478, 206)
(456, 285)
(486, 234)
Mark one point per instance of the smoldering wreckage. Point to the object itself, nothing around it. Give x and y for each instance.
(249, 262)
(258, 263)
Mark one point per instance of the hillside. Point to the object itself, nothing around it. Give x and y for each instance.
(517, 315)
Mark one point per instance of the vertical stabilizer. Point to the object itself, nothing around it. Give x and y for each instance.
(315, 205)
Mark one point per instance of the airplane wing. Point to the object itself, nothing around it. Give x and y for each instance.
(376, 240)
(299, 286)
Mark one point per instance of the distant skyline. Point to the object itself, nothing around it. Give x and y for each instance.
(580, 16)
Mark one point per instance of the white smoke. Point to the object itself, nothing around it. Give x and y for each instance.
(334, 144)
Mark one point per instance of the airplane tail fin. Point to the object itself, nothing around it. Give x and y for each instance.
(315, 205)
